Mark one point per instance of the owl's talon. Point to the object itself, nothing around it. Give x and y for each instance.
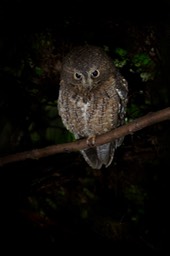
(91, 141)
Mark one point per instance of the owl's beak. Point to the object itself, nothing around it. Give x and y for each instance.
(87, 84)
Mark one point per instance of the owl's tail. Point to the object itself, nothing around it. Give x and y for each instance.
(100, 155)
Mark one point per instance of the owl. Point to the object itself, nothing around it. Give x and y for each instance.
(92, 100)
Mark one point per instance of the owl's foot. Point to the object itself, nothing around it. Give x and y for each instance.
(91, 141)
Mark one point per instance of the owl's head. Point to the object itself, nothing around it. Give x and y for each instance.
(86, 67)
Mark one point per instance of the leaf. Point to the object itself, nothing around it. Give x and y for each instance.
(141, 59)
(121, 52)
(38, 71)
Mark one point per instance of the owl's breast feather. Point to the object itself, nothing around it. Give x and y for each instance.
(84, 108)
(90, 116)
(82, 116)
(96, 115)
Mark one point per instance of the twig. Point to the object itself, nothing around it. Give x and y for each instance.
(138, 124)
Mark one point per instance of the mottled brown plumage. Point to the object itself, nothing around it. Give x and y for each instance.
(92, 100)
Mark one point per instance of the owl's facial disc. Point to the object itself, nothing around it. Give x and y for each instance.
(86, 80)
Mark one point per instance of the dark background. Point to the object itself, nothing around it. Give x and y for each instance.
(60, 199)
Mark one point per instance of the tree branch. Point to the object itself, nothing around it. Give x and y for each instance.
(138, 124)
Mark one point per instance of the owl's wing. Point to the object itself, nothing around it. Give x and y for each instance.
(103, 154)
(122, 91)
(121, 88)
(99, 155)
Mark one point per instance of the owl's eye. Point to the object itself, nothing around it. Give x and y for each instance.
(95, 73)
(77, 76)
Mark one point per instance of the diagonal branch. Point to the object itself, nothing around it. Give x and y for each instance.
(138, 124)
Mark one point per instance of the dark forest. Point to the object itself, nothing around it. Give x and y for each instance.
(59, 199)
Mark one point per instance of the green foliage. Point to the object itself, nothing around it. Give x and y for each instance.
(139, 63)
(141, 60)
(144, 66)
(38, 71)
(122, 58)
(121, 52)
